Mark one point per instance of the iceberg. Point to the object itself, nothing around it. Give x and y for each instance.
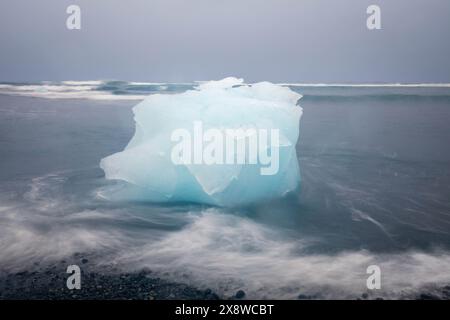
(223, 143)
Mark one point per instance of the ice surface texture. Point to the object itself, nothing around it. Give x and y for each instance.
(147, 162)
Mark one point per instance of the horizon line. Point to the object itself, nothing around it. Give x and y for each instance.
(298, 84)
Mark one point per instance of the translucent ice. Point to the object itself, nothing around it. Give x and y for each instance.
(224, 143)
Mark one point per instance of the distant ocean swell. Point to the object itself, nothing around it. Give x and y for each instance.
(124, 90)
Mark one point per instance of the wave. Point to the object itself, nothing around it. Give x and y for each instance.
(370, 85)
(229, 252)
(222, 250)
(95, 90)
(124, 90)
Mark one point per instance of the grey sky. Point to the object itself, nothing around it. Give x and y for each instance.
(184, 40)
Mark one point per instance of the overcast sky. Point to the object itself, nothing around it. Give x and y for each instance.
(184, 40)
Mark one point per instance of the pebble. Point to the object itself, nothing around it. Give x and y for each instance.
(240, 294)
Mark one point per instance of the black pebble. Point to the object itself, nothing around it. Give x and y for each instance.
(240, 294)
(426, 296)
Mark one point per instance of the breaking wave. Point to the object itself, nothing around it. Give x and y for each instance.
(124, 90)
(208, 247)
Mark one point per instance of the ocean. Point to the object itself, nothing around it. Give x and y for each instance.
(375, 190)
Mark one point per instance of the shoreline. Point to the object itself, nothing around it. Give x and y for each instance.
(49, 283)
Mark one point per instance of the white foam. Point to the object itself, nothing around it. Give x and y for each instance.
(227, 252)
(70, 90)
(370, 85)
(215, 249)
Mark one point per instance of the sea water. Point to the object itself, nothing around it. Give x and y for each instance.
(375, 172)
